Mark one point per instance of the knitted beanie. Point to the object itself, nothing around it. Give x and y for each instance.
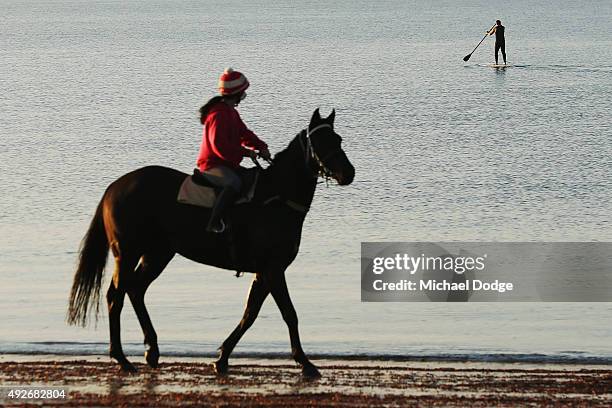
(232, 82)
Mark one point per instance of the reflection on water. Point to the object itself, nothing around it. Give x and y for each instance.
(115, 385)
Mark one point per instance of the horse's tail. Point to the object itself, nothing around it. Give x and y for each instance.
(85, 291)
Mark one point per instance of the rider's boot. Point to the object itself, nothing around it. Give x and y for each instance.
(224, 199)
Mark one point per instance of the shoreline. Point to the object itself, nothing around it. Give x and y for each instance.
(282, 359)
(94, 380)
(72, 350)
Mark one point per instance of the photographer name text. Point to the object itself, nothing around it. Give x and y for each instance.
(443, 285)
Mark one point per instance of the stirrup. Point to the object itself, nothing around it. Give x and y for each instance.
(218, 230)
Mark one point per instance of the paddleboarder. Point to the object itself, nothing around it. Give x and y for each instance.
(500, 40)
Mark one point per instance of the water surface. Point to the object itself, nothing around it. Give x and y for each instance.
(444, 150)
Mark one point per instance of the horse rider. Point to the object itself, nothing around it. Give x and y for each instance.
(225, 141)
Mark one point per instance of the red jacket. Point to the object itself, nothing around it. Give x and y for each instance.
(224, 138)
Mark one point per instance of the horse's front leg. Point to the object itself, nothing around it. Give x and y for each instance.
(278, 287)
(257, 294)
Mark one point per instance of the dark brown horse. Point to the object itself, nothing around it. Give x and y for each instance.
(142, 223)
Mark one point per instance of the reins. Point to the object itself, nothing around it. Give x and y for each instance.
(254, 159)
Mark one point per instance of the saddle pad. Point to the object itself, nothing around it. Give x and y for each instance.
(195, 194)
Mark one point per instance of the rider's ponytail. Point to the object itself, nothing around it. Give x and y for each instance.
(206, 107)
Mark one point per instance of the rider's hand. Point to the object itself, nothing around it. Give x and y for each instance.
(265, 153)
(250, 153)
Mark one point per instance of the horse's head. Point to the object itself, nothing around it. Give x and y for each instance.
(324, 150)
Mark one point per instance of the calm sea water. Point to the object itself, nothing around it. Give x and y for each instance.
(444, 150)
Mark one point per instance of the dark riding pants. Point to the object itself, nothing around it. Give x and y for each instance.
(224, 177)
(498, 46)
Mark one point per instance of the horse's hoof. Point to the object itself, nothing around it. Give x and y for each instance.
(128, 367)
(220, 367)
(310, 372)
(152, 357)
(124, 363)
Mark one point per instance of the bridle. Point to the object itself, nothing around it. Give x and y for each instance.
(309, 153)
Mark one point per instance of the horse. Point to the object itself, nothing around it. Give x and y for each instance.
(143, 225)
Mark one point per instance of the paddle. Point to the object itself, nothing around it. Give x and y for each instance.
(467, 57)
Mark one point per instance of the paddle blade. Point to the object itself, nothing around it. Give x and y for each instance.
(467, 57)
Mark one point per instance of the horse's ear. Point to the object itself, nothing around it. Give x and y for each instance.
(331, 116)
(316, 116)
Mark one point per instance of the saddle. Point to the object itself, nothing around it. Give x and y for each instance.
(198, 190)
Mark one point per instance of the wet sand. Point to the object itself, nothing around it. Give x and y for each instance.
(95, 381)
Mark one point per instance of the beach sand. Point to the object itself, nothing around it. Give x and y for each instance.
(95, 381)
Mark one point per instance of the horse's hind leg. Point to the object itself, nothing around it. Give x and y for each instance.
(257, 294)
(124, 270)
(151, 266)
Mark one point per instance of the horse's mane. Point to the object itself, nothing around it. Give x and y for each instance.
(286, 153)
(284, 164)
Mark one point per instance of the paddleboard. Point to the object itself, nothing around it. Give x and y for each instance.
(499, 65)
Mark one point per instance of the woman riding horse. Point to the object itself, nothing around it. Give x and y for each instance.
(225, 141)
(141, 222)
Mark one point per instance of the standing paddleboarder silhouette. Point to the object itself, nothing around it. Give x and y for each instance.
(500, 40)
